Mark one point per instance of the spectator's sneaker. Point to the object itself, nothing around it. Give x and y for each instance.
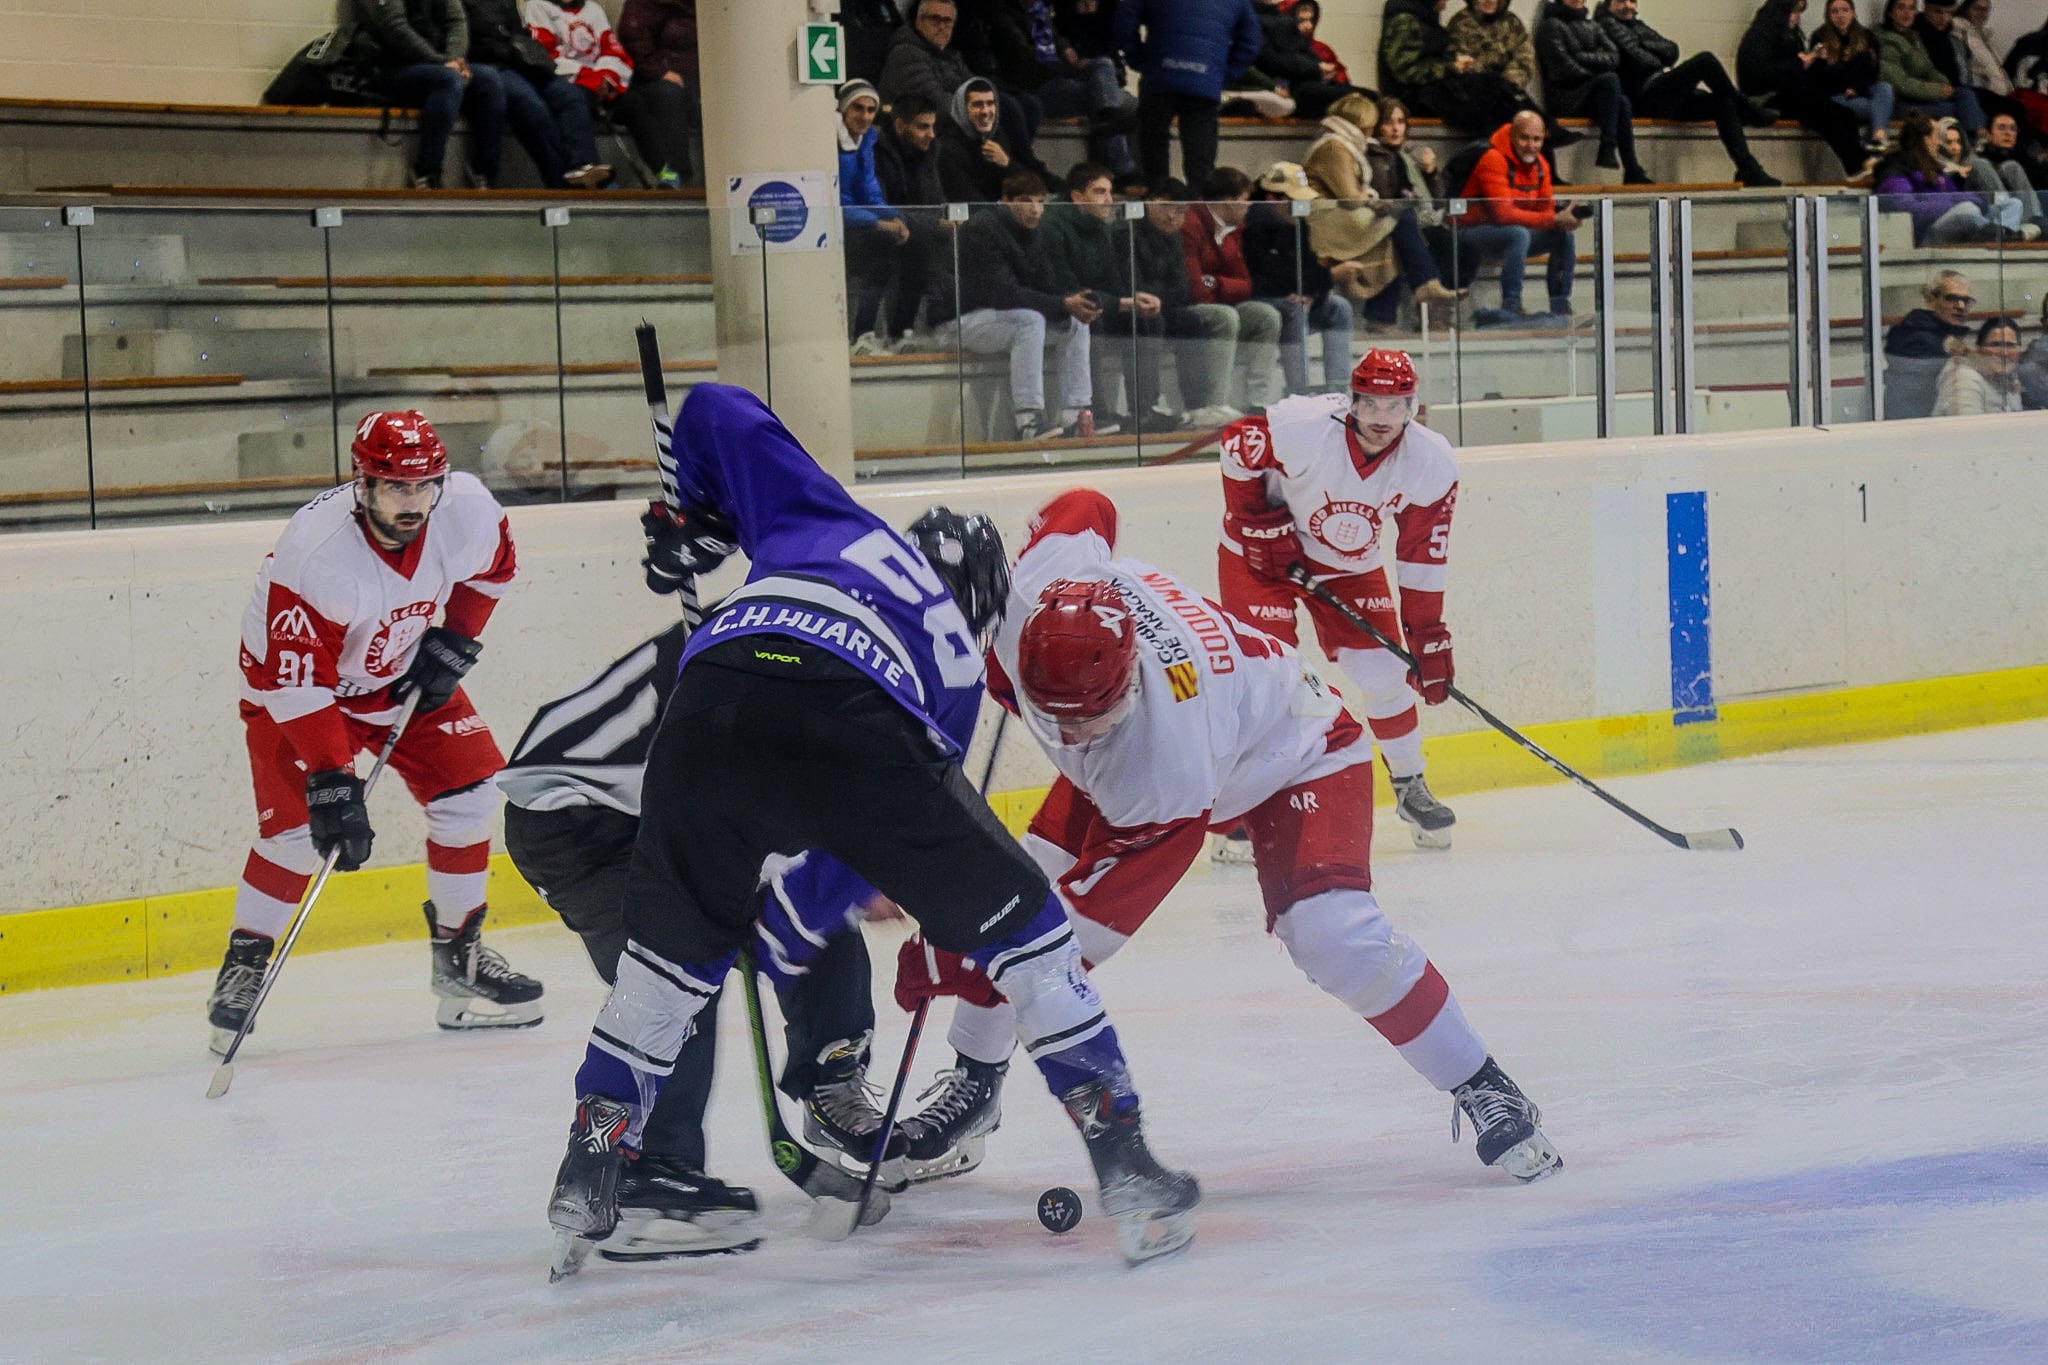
(1499, 317)
(1636, 175)
(1752, 175)
(667, 179)
(1155, 423)
(2030, 232)
(594, 176)
(867, 343)
(1030, 426)
(1210, 415)
(426, 182)
(1757, 114)
(1435, 291)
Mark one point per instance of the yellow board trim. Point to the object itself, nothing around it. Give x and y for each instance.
(186, 931)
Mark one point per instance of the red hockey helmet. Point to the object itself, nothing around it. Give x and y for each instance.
(1076, 654)
(1384, 373)
(398, 446)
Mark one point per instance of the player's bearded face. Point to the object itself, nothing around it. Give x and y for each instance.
(1379, 418)
(397, 512)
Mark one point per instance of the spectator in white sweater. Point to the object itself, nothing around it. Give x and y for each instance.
(1982, 378)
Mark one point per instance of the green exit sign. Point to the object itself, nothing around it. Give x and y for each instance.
(821, 54)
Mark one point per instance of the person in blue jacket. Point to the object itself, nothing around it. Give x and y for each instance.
(1189, 53)
(882, 260)
(815, 732)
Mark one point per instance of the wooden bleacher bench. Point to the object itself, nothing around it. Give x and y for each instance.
(23, 283)
(121, 383)
(359, 195)
(278, 483)
(527, 369)
(448, 281)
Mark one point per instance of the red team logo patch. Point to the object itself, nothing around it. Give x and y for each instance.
(395, 638)
(1349, 528)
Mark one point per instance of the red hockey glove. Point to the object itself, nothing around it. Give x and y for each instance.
(926, 973)
(1270, 546)
(1433, 671)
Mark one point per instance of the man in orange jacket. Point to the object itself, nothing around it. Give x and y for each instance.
(1512, 215)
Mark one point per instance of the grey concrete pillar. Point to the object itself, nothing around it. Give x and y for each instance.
(758, 118)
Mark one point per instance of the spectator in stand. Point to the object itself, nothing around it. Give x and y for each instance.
(1981, 175)
(1308, 16)
(1916, 348)
(1903, 62)
(973, 160)
(2027, 64)
(1984, 378)
(1513, 216)
(1287, 58)
(907, 168)
(923, 61)
(1695, 90)
(1011, 303)
(1948, 48)
(547, 114)
(1404, 177)
(1205, 333)
(1422, 65)
(1980, 53)
(1032, 55)
(2007, 147)
(1774, 65)
(1083, 249)
(1286, 274)
(1846, 72)
(587, 54)
(660, 36)
(1370, 248)
(2033, 370)
(1582, 75)
(871, 25)
(1185, 52)
(1916, 180)
(1212, 236)
(1497, 41)
(876, 235)
(419, 52)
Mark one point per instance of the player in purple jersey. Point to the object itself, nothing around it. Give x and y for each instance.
(820, 715)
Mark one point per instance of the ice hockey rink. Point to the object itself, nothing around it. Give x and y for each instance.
(1801, 1091)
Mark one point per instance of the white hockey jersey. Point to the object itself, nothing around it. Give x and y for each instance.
(1302, 455)
(1225, 715)
(586, 51)
(334, 618)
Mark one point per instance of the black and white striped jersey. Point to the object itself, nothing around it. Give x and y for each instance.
(588, 747)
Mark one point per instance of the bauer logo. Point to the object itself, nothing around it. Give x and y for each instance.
(293, 625)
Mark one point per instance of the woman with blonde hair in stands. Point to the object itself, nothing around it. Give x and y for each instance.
(1368, 246)
(1982, 378)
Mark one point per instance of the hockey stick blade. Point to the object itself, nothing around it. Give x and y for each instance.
(1708, 841)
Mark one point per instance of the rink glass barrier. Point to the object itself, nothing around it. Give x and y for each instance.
(178, 363)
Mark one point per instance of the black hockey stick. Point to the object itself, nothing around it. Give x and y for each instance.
(224, 1074)
(917, 1018)
(1715, 840)
(657, 414)
(824, 1183)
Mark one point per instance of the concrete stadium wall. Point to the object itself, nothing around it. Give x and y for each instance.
(227, 52)
(1839, 560)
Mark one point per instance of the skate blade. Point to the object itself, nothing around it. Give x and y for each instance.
(221, 1041)
(1431, 838)
(1531, 1159)
(456, 1013)
(1147, 1236)
(570, 1253)
(650, 1237)
(959, 1161)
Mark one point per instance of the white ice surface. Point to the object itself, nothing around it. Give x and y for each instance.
(1802, 1094)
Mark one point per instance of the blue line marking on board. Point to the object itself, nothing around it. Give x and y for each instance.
(1692, 654)
(1784, 1269)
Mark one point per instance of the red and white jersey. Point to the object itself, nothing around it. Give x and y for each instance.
(1225, 715)
(335, 619)
(1302, 455)
(581, 41)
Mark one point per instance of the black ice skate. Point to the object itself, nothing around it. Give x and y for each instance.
(234, 990)
(840, 1118)
(947, 1136)
(1504, 1123)
(1416, 804)
(477, 988)
(667, 1210)
(584, 1209)
(1233, 849)
(1152, 1207)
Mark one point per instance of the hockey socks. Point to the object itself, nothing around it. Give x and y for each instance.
(652, 1007)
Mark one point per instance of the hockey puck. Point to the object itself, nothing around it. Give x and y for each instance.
(1059, 1208)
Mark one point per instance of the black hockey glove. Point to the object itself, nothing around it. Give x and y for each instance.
(437, 667)
(681, 545)
(334, 801)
